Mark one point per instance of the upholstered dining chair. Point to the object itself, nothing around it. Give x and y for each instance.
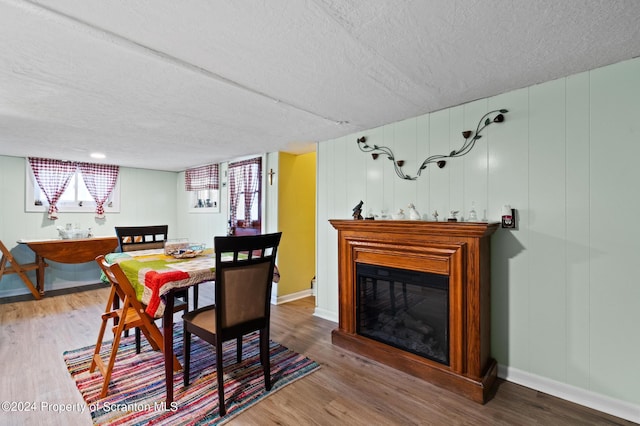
(131, 238)
(244, 273)
(141, 237)
(130, 315)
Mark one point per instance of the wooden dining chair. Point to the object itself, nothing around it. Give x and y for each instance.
(244, 273)
(9, 265)
(131, 315)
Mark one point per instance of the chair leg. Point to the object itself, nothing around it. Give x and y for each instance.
(138, 340)
(264, 357)
(186, 356)
(115, 306)
(195, 297)
(239, 349)
(118, 330)
(151, 339)
(112, 361)
(105, 318)
(96, 352)
(220, 374)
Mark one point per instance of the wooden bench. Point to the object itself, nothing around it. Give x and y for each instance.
(8, 265)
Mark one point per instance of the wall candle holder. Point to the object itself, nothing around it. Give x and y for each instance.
(470, 138)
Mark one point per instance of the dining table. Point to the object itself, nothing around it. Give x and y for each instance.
(156, 276)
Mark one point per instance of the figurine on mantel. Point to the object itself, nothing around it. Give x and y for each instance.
(435, 215)
(453, 217)
(413, 213)
(357, 211)
(399, 215)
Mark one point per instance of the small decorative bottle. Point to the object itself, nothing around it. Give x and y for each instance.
(473, 216)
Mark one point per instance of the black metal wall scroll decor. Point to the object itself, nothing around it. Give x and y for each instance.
(470, 138)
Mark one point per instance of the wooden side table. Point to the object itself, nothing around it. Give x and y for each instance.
(68, 251)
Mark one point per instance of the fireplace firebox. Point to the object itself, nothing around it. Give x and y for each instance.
(416, 296)
(405, 309)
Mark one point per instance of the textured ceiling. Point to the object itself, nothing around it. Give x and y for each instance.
(165, 84)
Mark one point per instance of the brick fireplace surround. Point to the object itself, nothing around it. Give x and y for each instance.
(458, 250)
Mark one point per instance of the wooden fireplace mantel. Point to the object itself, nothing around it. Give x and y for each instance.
(459, 250)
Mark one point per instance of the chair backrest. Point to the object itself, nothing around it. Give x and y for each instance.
(118, 279)
(141, 237)
(244, 274)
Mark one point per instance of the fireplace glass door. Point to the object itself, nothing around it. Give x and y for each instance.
(405, 309)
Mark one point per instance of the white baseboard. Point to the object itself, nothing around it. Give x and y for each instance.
(290, 297)
(596, 401)
(61, 285)
(328, 315)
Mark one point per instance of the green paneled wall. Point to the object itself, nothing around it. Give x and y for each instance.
(565, 297)
(148, 197)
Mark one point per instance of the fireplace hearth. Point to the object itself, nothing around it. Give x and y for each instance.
(416, 296)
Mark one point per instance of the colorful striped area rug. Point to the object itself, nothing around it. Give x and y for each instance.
(137, 390)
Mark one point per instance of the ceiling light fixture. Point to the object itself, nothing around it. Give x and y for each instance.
(470, 139)
(97, 155)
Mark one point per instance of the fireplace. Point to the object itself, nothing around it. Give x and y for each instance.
(416, 296)
(405, 309)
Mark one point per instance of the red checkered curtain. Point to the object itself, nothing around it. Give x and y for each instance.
(244, 177)
(235, 184)
(198, 178)
(100, 180)
(53, 178)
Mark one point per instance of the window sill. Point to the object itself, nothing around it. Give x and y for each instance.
(204, 210)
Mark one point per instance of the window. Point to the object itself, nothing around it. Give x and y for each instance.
(245, 196)
(75, 198)
(205, 199)
(203, 185)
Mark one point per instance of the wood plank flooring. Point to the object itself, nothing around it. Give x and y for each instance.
(347, 390)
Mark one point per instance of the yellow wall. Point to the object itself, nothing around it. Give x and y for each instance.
(296, 220)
